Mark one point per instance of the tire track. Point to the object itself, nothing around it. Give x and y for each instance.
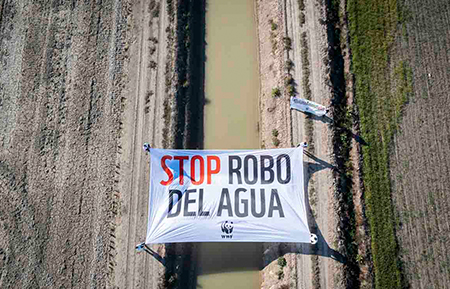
(322, 181)
(303, 263)
(135, 165)
(141, 125)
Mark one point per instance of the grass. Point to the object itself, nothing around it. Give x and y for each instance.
(380, 96)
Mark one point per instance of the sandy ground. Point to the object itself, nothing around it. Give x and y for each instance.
(142, 122)
(301, 271)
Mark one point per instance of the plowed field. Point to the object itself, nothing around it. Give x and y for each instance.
(60, 87)
(420, 162)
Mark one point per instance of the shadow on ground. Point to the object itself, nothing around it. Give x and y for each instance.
(321, 248)
(328, 120)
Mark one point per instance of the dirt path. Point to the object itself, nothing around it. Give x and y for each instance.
(322, 181)
(142, 123)
(303, 270)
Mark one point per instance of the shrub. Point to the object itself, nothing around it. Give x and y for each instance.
(289, 65)
(288, 79)
(276, 92)
(287, 43)
(273, 41)
(156, 11)
(282, 262)
(275, 132)
(301, 5)
(280, 274)
(148, 95)
(273, 25)
(302, 18)
(290, 90)
(151, 5)
(304, 41)
(275, 141)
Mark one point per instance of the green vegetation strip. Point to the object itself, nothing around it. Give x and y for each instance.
(380, 96)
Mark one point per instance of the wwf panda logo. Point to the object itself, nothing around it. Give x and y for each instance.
(227, 227)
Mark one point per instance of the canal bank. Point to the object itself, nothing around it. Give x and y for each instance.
(231, 118)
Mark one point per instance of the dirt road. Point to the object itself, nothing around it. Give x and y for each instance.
(141, 123)
(321, 185)
(304, 270)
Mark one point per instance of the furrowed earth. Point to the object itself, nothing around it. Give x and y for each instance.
(84, 84)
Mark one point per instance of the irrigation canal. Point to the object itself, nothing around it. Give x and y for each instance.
(231, 122)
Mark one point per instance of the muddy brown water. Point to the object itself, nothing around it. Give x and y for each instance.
(231, 122)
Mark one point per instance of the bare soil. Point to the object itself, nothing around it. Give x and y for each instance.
(304, 269)
(82, 87)
(61, 84)
(420, 158)
(145, 94)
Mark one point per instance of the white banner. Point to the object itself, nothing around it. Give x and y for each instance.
(227, 196)
(308, 106)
